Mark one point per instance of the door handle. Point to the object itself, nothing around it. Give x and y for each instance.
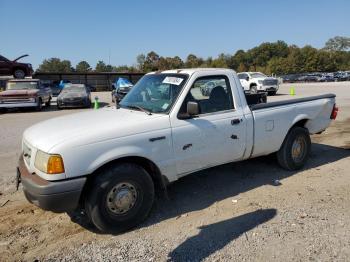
(235, 121)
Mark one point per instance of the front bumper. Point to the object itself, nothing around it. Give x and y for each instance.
(67, 103)
(56, 196)
(264, 88)
(17, 105)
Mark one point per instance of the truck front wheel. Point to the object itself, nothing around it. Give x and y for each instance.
(295, 149)
(120, 198)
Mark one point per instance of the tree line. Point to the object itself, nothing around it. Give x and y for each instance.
(270, 58)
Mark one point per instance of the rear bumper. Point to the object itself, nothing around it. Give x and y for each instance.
(56, 196)
(17, 105)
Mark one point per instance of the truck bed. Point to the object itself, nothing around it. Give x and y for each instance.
(273, 120)
(258, 106)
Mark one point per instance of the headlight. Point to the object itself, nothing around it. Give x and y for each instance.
(32, 99)
(49, 164)
(260, 81)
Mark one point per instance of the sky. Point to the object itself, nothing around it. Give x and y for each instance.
(118, 31)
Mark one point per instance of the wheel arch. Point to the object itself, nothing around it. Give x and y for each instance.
(19, 67)
(160, 181)
(298, 122)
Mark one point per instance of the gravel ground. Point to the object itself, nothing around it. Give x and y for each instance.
(247, 211)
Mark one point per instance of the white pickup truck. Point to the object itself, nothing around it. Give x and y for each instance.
(255, 82)
(111, 161)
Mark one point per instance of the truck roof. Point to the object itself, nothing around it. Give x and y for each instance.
(191, 71)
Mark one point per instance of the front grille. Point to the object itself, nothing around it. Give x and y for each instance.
(15, 100)
(270, 82)
(73, 99)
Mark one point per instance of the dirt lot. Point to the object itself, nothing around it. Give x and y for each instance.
(235, 212)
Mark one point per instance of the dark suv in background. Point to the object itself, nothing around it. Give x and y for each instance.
(18, 70)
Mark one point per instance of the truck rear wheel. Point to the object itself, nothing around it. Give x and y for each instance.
(121, 198)
(295, 149)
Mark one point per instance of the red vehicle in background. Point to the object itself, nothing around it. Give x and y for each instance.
(14, 68)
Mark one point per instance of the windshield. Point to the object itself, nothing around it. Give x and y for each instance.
(21, 85)
(155, 93)
(70, 89)
(257, 75)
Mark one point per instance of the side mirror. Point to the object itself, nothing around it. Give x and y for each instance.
(192, 108)
(247, 78)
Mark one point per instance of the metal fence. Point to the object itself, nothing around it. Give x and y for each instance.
(101, 81)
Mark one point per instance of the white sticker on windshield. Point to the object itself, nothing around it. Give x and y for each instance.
(172, 80)
(165, 106)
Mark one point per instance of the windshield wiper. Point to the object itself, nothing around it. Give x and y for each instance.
(140, 108)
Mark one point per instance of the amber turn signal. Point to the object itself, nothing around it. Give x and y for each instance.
(55, 165)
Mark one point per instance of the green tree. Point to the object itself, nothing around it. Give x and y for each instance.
(140, 60)
(151, 62)
(54, 65)
(83, 66)
(193, 61)
(102, 67)
(338, 43)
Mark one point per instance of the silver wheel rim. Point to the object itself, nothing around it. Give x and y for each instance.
(121, 198)
(298, 149)
(19, 74)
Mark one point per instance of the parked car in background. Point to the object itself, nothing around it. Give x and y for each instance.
(290, 78)
(74, 95)
(14, 68)
(120, 88)
(254, 82)
(340, 76)
(25, 93)
(327, 78)
(310, 78)
(54, 86)
(91, 88)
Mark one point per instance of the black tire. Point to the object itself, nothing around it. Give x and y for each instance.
(272, 93)
(19, 73)
(253, 89)
(286, 157)
(48, 103)
(39, 105)
(99, 204)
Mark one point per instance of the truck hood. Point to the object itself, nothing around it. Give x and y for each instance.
(90, 127)
(18, 58)
(263, 78)
(11, 93)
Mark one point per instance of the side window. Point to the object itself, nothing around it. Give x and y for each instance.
(213, 94)
(242, 76)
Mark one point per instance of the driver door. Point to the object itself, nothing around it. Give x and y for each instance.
(216, 136)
